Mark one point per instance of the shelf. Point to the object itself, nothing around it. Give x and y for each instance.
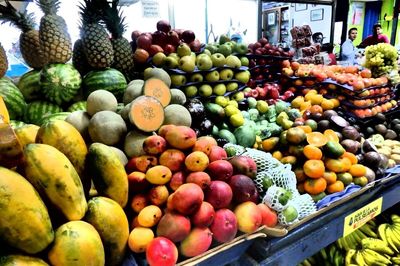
(321, 231)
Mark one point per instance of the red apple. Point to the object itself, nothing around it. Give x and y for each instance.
(169, 48)
(135, 34)
(263, 41)
(217, 153)
(256, 45)
(163, 25)
(140, 55)
(195, 46)
(154, 48)
(161, 251)
(188, 36)
(179, 31)
(269, 216)
(159, 38)
(254, 93)
(173, 38)
(144, 41)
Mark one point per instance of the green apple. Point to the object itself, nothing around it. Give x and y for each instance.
(204, 62)
(233, 61)
(219, 89)
(244, 61)
(206, 51)
(238, 96)
(241, 48)
(174, 55)
(243, 76)
(234, 103)
(212, 76)
(262, 106)
(183, 49)
(232, 86)
(186, 63)
(232, 45)
(212, 48)
(205, 90)
(218, 60)
(226, 74)
(222, 100)
(225, 49)
(158, 59)
(178, 80)
(223, 38)
(170, 62)
(290, 213)
(252, 102)
(190, 91)
(193, 56)
(196, 77)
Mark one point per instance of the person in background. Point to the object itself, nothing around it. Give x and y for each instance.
(318, 37)
(328, 47)
(375, 38)
(348, 50)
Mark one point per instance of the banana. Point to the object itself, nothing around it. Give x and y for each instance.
(349, 256)
(372, 257)
(382, 231)
(344, 243)
(338, 259)
(331, 250)
(323, 254)
(306, 263)
(395, 218)
(366, 229)
(395, 260)
(391, 238)
(395, 236)
(352, 240)
(359, 259)
(372, 223)
(312, 260)
(376, 244)
(361, 235)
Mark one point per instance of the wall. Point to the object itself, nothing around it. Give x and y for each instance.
(387, 8)
(356, 9)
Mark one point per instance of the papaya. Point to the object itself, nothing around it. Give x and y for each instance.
(54, 176)
(21, 260)
(10, 147)
(77, 243)
(107, 172)
(26, 134)
(111, 223)
(67, 139)
(24, 221)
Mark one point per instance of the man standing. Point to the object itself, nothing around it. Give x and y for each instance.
(375, 38)
(348, 51)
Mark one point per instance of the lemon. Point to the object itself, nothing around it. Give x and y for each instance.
(231, 110)
(221, 101)
(234, 103)
(262, 106)
(236, 120)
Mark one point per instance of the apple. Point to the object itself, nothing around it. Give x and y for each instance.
(186, 63)
(212, 48)
(273, 93)
(205, 90)
(170, 62)
(238, 96)
(232, 86)
(144, 41)
(204, 62)
(233, 61)
(196, 77)
(158, 59)
(159, 38)
(140, 55)
(225, 49)
(244, 61)
(190, 91)
(241, 48)
(163, 25)
(205, 51)
(174, 55)
(218, 59)
(226, 74)
(161, 251)
(243, 76)
(188, 36)
(254, 93)
(263, 41)
(195, 46)
(135, 34)
(183, 49)
(262, 106)
(154, 48)
(173, 38)
(219, 89)
(178, 79)
(169, 48)
(212, 76)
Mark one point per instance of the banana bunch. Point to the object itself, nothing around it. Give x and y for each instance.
(353, 240)
(329, 256)
(373, 251)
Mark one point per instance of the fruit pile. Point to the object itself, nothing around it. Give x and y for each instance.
(373, 243)
(381, 59)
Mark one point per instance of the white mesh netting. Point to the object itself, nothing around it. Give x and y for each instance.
(304, 205)
(275, 198)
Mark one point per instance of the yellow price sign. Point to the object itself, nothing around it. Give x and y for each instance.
(361, 216)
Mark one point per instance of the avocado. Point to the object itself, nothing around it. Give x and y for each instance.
(372, 159)
(350, 132)
(381, 129)
(323, 125)
(380, 117)
(390, 134)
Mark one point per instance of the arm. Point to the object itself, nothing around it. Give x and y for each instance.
(365, 42)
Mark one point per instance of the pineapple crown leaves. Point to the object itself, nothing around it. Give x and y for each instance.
(22, 20)
(91, 11)
(114, 19)
(49, 7)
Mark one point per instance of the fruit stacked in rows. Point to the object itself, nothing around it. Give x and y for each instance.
(184, 189)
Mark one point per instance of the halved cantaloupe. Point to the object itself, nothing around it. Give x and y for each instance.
(146, 113)
(158, 89)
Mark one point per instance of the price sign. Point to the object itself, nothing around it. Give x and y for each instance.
(361, 216)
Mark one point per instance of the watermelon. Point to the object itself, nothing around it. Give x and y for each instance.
(13, 98)
(78, 106)
(109, 79)
(29, 85)
(60, 82)
(55, 116)
(36, 110)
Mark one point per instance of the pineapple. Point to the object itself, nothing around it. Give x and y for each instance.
(29, 39)
(3, 62)
(79, 58)
(54, 37)
(123, 55)
(96, 42)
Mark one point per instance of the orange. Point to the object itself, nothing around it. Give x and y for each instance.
(317, 139)
(306, 129)
(334, 165)
(346, 163)
(277, 155)
(353, 159)
(300, 175)
(312, 152)
(331, 135)
(358, 170)
(327, 104)
(330, 177)
(316, 109)
(315, 186)
(346, 178)
(314, 168)
(270, 143)
(335, 187)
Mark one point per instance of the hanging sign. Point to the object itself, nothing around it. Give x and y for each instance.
(151, 8)
(361, 216)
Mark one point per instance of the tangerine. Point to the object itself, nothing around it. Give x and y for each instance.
(314, 168)
(315, 186)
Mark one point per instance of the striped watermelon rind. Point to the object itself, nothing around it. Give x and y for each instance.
(55, 116)
(13, 98)
(109, 79)
(36, 110)
(78, 106)
(60, 82)
(29, 85)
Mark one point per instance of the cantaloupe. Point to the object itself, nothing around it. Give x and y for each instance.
(124, 112)
(158, 89)
(177, 97)
(101, 100)
(133, 145)
(80, 120)
(157, 73)
(146, 113)
(178, 115)
(134, 90)
(107, 127)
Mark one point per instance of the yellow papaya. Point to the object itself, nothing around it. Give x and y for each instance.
(107, 172)
(111, 223)
(10, 147)
(4, 116)
(77, 243)
(24, 221)
(21, 260)
(54, 176)
(26, 134)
